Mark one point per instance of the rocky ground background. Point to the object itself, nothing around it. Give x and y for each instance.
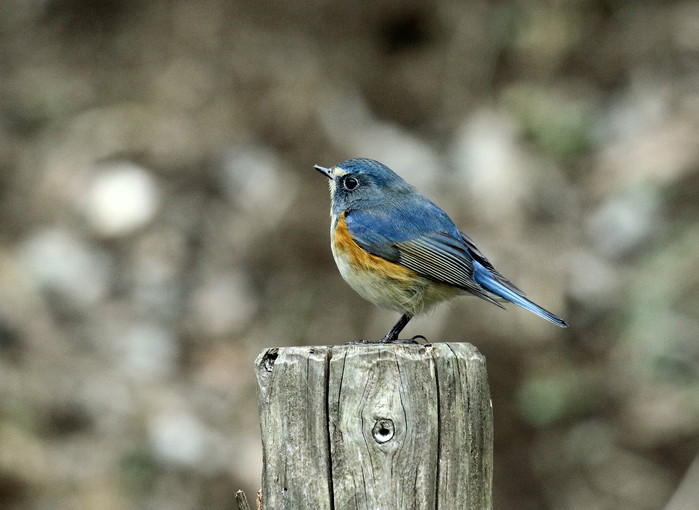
(161, 223)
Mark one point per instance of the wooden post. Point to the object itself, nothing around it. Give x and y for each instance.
(375, 426)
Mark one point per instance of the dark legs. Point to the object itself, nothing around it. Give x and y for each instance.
(392, 335)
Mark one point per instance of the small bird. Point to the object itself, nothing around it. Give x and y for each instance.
(400, 251)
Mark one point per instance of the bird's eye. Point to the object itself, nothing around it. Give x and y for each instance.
(350, 183)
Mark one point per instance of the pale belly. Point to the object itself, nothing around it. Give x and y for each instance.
(403, 291)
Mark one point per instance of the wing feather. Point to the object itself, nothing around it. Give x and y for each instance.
(442, 254)
(443, 259)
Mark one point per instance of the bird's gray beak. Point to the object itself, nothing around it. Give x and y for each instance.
(324, 171)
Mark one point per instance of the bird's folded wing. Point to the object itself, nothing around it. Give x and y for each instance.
(441, 258)
(424, 240)
(436, 256)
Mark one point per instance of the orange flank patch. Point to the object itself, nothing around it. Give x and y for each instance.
(361, 260)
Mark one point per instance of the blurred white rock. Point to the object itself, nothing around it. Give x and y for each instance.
(625, 221)
(222, 304)
(148, 351)
(350, 124)
(594, 279)
(491, 165)
(121, 198)
(648, 137)
(63, 263)
(253, 179)
(177, 437)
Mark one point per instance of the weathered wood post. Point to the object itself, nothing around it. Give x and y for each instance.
(375, 427)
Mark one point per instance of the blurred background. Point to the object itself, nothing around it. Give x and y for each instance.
(161, 223)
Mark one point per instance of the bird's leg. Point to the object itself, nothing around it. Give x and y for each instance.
(392, 335)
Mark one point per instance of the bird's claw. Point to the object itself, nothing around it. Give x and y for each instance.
(386, 340)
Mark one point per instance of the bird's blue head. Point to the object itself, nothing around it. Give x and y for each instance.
(362, 183)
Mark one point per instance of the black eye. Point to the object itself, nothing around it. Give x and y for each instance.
(350, 183)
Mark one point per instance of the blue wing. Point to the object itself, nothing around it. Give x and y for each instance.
(428, 242)
(425, 240)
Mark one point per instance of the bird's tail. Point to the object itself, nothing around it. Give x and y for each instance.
(489, 282)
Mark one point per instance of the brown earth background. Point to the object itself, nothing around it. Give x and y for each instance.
(161, 223)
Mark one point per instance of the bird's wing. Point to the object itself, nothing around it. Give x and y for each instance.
(424, 240)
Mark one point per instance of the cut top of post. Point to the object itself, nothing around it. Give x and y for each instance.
(375, 426)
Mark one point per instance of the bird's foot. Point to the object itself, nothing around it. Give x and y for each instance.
(384, 340)
(392, 340)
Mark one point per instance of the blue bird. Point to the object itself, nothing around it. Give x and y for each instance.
(400, 251)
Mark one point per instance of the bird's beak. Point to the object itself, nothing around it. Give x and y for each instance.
(324, 171)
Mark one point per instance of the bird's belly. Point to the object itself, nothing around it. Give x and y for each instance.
(385, 283)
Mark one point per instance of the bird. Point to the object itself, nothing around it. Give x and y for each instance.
(400, 251)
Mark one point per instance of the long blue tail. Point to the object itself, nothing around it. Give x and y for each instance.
(485, 279)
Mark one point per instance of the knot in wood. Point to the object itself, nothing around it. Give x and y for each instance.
(383, 430)
(269, 358)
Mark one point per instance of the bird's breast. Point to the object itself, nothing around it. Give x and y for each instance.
(346, 248)
(384, 283)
